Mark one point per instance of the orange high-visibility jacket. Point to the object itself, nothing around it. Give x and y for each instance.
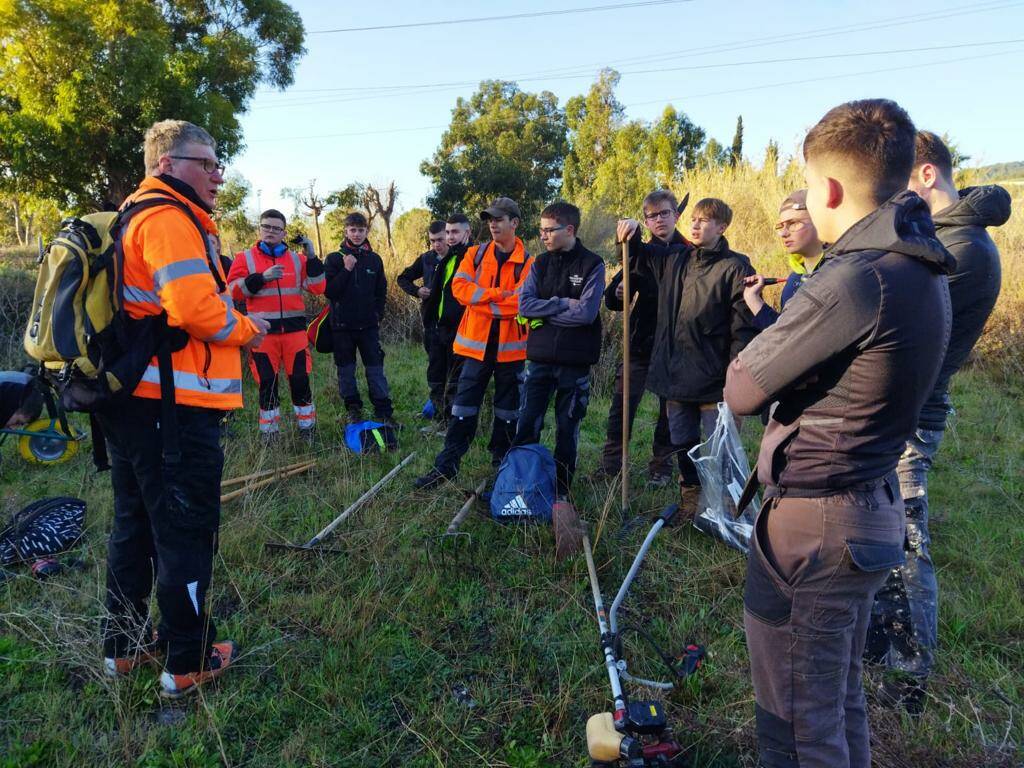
(167, 269)
(279, 302)
(489, 296)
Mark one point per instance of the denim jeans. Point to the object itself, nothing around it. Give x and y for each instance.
(904, 620)
(685, 421)
(812, 572)
(571, 387)
(166, 520)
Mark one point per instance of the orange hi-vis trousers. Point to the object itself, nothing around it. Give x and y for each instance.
(290, 351)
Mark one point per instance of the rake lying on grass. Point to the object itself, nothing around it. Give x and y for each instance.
(453, 539)
(314, 543)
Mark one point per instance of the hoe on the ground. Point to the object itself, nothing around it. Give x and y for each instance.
(636, 734)
(453, 545)
(314, 544)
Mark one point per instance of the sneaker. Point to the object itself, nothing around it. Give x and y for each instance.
(432, 479)
(120, 666)
(221, 656)
(354, 415)
(389, 421)
(657, 480)
(568, 532)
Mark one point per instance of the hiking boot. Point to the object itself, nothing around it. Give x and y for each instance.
(148, 653)
(221, 656)
(354, 415)
(308, 435)
(389, 421)
(568, 531)
(902, 691)
(606, 475)
(269, 438)
(689, 500)
(658, 480)
(432, 479)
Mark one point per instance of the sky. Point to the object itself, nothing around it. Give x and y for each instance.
(370, 105)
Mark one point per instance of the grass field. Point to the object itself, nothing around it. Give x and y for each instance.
(360, 659)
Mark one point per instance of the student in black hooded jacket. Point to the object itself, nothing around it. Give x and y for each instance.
(357, 289)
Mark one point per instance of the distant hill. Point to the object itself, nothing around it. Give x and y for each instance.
(1000, 171)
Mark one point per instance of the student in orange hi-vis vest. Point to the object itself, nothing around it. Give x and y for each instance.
(166, 458)
(270, 278)
(487, 283)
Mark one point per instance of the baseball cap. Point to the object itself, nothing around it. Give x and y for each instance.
(796, 201)
(502, 206)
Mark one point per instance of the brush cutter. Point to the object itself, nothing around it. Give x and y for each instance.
(313, 545)
(636, 734)
(452, 542)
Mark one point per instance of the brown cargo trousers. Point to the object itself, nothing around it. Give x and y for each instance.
(812, 573)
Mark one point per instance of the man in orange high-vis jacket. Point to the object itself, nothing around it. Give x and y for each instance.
(494, 344)
(270, 279)
(167, 500)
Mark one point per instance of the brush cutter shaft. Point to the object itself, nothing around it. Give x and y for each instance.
(610, 662)
(633, 569)
(461, 515)
(358, 502)
(626, 307)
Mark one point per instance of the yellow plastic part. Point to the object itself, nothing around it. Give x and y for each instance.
(38, 449)
(603, 741)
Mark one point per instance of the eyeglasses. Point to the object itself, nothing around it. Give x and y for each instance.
(793, 226)
(665, 214)
(271, 228)
(551, 230)
(209, 166)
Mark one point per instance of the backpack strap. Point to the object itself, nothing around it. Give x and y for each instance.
(481, 251)
(168, 417)
(518, 271)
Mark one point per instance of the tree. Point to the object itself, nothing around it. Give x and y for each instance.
(714, 155)
(673, 145)
(30, 216)
(411, 233)
(501, 141)
(236, 228)
(382, 204)
(81, 80)
(736, 152)
(624, 178)
(592, 121)
(771, 158)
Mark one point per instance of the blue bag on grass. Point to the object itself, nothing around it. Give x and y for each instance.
(370, 437)
(429, 411)
(525, 486)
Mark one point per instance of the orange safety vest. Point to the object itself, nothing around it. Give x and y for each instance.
(489, 296)
(279, 302)
(167, 269)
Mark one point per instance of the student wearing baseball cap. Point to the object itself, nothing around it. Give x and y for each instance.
(806, 252)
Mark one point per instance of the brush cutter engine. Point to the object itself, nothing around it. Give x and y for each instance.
(637, 734)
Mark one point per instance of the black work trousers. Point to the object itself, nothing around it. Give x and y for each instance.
(443, 370)
(476, 374)
(166, 519)
(661, 447)
(367, 342)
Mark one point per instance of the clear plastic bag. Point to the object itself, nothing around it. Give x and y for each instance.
(723, 469)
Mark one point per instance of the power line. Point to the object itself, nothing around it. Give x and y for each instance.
(763, 86)
(437, 87)
(884, 70)
(480, 19)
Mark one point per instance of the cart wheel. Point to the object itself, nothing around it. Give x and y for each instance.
(46, 447)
